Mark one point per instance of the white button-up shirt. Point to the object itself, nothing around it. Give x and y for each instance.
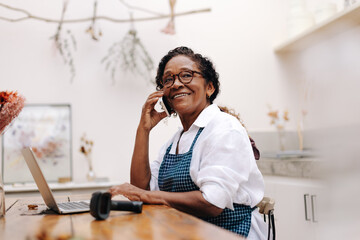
(222, 165)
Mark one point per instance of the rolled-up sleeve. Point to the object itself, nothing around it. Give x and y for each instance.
(224, 166)
(154, 166)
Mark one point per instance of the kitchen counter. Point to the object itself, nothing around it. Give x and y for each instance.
(291, 167)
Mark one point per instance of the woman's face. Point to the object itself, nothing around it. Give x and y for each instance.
(187, 99)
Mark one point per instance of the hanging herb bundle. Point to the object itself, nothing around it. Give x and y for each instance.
(94, 31)
(65, 43)
(129, 54)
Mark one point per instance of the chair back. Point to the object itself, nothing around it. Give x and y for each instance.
(266, 207)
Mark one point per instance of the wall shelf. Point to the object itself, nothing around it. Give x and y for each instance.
(31, 187)
(340, 22)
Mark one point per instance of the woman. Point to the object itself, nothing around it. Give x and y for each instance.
(207, 168)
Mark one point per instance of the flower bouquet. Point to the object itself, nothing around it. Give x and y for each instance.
(86, 149)
(278, 120)
(11, 104)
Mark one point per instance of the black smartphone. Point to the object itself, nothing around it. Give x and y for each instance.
(166, 107)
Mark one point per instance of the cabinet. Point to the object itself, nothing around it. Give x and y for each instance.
(297, 206)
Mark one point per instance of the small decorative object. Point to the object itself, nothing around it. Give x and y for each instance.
(11, 104)
(86, 149)
(170, 27)
(279, 122)
(32, 206)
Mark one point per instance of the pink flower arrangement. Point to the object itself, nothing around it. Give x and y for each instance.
(11, 104)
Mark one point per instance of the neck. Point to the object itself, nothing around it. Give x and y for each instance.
(188, 119)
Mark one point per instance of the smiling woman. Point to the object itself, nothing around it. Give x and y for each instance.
(207, 168)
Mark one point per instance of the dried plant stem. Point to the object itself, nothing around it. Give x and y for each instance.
(300, 136)
(140, 9)
(62, 43)
(30, 16)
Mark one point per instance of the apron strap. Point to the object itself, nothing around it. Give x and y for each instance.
(196, 137)
(193, 143)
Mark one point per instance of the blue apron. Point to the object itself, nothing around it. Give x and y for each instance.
(174, 176)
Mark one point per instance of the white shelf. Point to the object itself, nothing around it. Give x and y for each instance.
(340, 22)
(31, 187)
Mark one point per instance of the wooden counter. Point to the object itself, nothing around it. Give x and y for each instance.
(155, 222)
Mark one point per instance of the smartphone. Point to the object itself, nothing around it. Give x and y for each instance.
(166, 107)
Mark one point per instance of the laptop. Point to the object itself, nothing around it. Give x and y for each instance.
(45, 191)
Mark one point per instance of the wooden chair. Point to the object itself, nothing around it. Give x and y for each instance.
(266, 207)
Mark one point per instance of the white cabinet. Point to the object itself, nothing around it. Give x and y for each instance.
(297, 207)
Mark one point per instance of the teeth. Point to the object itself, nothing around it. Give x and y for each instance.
(180, 95)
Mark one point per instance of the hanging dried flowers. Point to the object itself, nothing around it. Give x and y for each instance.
(65, 43)
(170, 27)
(93, 30)
(129, 54)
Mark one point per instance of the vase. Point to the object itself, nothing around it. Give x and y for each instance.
(2, 198)
(90, 174)
(281, 134)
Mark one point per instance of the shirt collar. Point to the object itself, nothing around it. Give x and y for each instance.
(206, 115)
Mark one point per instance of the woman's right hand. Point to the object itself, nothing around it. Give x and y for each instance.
(149, 116)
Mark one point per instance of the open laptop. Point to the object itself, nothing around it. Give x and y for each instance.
(45, 191)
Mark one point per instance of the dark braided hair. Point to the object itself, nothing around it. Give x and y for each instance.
(204, 64)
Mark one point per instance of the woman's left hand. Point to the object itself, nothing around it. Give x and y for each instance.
(129, 191)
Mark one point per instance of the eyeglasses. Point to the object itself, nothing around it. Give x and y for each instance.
(184, 76)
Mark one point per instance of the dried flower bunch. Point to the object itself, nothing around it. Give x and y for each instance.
(130, 54)
(86, 145)
(86, 149)
(170, 27)
(278, 121)
(65, 44)
(11, 104)
(93, 30)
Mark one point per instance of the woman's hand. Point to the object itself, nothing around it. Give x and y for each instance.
(190, 202)
(149, 116)
(129, 191)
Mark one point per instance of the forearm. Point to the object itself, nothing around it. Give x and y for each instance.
(140, 173)
(190, 202)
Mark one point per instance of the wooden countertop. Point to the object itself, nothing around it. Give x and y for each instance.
(155, 222)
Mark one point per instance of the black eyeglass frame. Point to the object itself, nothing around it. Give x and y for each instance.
(181, 80)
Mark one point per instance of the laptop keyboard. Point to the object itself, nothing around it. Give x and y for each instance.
(74, 205)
